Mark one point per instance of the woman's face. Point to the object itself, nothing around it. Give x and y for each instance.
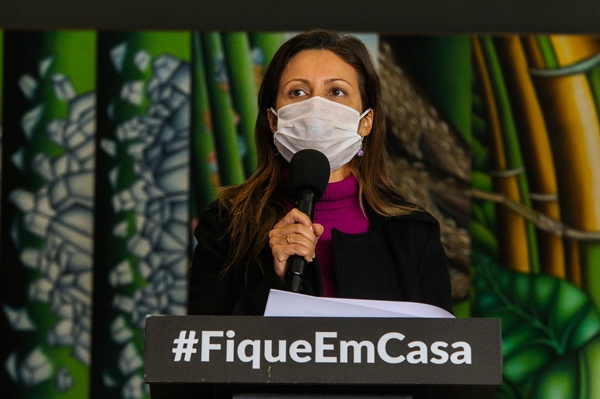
(321, 73)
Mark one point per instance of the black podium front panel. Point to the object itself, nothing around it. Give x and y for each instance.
(323, 352)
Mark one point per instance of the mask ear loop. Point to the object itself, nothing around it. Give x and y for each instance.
(275, 150)
(360, 152)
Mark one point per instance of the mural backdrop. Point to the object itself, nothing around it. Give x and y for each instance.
(114, 142)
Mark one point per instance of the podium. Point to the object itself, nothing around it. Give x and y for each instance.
(250, 357)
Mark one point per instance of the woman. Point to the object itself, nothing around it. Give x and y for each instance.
(368, 242)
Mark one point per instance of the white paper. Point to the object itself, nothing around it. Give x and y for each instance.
(289, 304)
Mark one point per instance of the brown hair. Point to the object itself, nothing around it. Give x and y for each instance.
(256, 205)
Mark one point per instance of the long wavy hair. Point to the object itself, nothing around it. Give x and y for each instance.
(256, 205)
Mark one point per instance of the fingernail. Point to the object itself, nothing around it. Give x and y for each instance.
(311, 229)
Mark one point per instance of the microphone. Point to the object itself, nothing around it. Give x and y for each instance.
(309, 175)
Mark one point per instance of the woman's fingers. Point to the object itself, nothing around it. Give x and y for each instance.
(318, 229)
(293, 241)
(281, 254)
(294, 217)
(298, 226)
(294, 234)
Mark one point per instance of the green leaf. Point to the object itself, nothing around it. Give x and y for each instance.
(543, 318)
(574, 375)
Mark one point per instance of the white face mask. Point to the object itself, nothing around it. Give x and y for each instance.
(321, 125)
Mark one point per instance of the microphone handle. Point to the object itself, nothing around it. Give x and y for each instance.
(296, 264)
(295, 273)
(306, 203)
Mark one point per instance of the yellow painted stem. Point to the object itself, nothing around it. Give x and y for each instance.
(537, 154)
(574, 48)
(510, 228)
(573, 262)
(574, 129)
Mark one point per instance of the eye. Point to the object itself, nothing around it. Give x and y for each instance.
(337, 92)
(297, 93)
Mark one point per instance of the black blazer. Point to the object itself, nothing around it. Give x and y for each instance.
(399, 258)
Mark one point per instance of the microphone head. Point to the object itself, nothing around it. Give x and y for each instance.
(309, 170)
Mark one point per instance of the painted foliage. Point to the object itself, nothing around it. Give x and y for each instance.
(536, 209)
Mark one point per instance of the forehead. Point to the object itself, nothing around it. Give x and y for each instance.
(315, 64)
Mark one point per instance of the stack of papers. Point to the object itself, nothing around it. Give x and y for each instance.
(289, 304)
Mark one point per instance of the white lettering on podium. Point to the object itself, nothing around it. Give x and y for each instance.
(269, 351)
(357, 349)
(463, 356)
(298, 347)
(207, 346)
(326, 346)
(185, 345)
(230, 344)
(382, 348)
(417, 356)
(436, 350)
(254, 356)
(321, 347)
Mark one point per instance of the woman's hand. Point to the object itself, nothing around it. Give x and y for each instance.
(295, 234)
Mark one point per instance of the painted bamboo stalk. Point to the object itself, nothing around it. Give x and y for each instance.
(511, 228)
(573, 262)
(540, 54)
(223, 117)
(543, 51)
(265, 45)
(533, 137)
(584, 51)
(204, 167)
(594, 78)
(243, 89)
(574, 130)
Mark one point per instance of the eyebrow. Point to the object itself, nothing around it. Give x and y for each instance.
(327, 81)
(336, 79)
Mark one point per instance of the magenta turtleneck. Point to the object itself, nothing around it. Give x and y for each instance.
(338, 208)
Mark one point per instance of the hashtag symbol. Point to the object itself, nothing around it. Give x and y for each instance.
(185, 345)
